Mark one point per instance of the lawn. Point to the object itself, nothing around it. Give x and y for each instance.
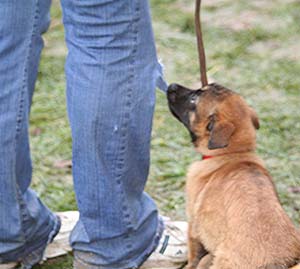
(252, 47)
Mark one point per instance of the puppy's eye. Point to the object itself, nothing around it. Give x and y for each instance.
(210, 126)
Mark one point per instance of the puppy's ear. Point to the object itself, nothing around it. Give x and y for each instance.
(220, 134)
(254, 118)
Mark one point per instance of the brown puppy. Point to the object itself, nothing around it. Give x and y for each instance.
(235, 217)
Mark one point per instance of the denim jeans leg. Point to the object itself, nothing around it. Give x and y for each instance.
(112, 72)
(25, 222)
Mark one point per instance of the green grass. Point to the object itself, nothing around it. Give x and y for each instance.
(59, 263)
(257, 59)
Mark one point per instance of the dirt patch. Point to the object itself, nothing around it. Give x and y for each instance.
(236, 16)
(244, 20)
(288, 49)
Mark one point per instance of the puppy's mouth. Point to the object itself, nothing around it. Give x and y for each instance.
(182, 102)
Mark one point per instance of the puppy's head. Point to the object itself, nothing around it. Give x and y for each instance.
(218, 119)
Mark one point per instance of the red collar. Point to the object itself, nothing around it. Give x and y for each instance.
(205, 157)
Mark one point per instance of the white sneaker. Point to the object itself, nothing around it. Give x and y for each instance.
(171, 252)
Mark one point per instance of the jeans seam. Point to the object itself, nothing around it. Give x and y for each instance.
(20, 117)
(126, 115)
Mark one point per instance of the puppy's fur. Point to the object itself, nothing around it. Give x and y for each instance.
(235, 217)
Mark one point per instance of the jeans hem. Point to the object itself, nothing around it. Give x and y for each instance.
(18, 254)
(134, 264)
(139, 261)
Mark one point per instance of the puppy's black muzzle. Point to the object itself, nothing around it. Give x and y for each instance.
(182, 101)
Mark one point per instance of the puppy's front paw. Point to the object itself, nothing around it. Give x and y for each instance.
(191, 266)
(205, 262)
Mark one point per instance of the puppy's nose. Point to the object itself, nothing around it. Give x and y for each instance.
(172, 92)
(173, 87)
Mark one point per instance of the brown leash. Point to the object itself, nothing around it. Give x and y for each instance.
(201, 52)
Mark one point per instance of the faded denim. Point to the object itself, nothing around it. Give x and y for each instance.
(112, 72)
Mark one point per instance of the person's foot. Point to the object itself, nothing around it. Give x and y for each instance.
(171, 252)
(58, 243)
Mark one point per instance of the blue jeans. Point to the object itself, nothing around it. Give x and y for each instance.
(112, 72)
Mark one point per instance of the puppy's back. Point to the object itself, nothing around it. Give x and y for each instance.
(239, 212)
